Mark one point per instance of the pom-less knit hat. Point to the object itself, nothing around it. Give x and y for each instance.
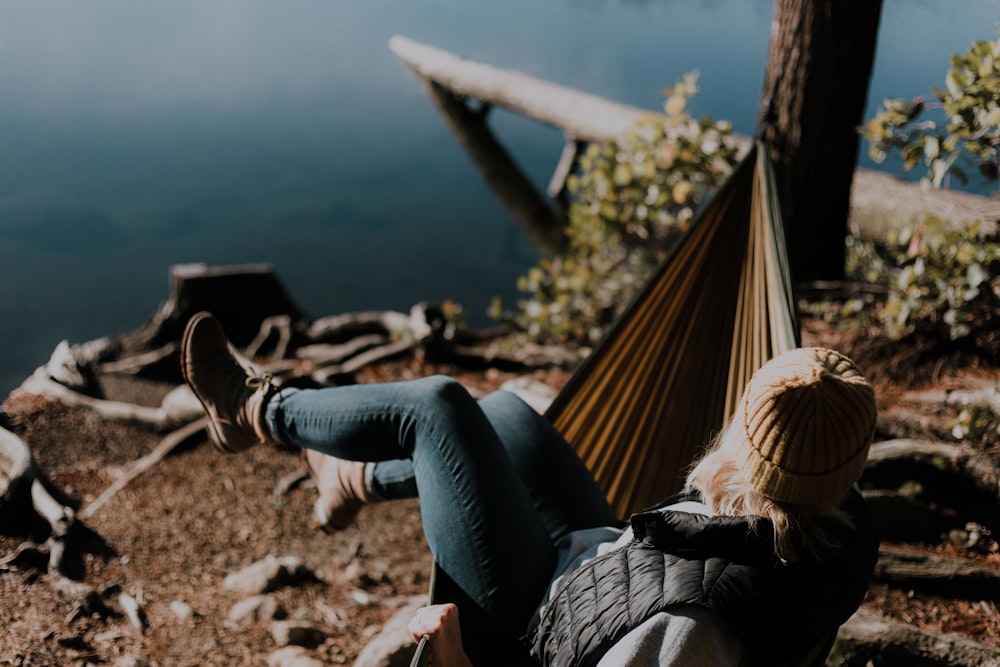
(809, 416)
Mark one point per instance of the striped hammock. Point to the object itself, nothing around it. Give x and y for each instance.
(669, 372)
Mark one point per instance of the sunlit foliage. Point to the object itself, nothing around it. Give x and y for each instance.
(968, 135)
(631, 199)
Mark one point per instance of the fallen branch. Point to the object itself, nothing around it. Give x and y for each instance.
(322, 354)
(137, 363)
(952, 577)
(327, 374)
(172, 411)
(869, 639)
(971, 472)
(280, 325)
(166, 446)
(581, 115)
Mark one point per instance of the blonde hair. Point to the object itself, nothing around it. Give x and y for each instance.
(798, 529)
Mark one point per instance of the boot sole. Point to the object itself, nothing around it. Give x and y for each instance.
(213, 435)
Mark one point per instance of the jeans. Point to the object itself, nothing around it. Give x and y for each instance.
(498, 485)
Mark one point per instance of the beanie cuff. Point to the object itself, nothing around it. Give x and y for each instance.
(800, 489)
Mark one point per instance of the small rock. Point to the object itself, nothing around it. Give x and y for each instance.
(368, 576)
(129, 661)
(360, 597)
(292, 656)
(268, 575)
(181, 405)
(536, 394)
(257, 608)
(392, 646)
(296, 633)
(182, 610)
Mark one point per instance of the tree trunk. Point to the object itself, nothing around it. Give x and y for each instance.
(815, 89)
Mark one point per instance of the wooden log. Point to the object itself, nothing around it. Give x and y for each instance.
(580, 115)
(869, 639)
(880, 202)
(955, 477)
(17, 472)
(951, 577)
(901, 518)
(974, 473)
(541, 222)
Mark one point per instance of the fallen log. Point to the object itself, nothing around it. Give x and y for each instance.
(957, 475)
(952, 577)
(922, 491)
(541, 221)
(902, 518)
(580, 115)
(868, 639)
(879, 202)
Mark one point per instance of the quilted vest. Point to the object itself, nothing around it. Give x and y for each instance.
(721, 563)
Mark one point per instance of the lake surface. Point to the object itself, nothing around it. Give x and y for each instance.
(135, 136)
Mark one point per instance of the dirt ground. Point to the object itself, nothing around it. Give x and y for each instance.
(177, 531)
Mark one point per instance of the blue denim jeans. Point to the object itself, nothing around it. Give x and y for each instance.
(498, 485)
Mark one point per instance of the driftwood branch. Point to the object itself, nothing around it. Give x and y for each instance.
(25, 499)
(541, 221)
(176, 408)
(580, 115)
(280, 326)
(161, 451)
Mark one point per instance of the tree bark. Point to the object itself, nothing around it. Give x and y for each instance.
(815, 89)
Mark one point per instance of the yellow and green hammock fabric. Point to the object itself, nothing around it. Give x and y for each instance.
(670, 370)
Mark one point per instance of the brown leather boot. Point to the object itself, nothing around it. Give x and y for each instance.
(341, 486)
(231, 391)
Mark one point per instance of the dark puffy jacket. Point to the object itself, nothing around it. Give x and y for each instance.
(678, 558)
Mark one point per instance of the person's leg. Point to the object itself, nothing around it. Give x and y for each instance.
(562, 489)
(479, 519)
(391, 480)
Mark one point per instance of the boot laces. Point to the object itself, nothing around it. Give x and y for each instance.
(260, 382)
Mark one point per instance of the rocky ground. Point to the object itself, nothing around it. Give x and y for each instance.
(170, 538)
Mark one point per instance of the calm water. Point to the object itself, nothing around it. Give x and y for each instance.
(134, 136)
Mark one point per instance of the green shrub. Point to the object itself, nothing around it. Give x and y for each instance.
(947, 283)
(970, 103)
(630, 200)
(942, 283)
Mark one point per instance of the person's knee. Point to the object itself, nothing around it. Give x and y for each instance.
(503, 403)
(443, 391)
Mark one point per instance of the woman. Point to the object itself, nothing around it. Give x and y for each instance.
(763, 556)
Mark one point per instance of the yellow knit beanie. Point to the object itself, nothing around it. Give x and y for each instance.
(809, 417)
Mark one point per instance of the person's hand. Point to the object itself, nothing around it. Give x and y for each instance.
(439, 623)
